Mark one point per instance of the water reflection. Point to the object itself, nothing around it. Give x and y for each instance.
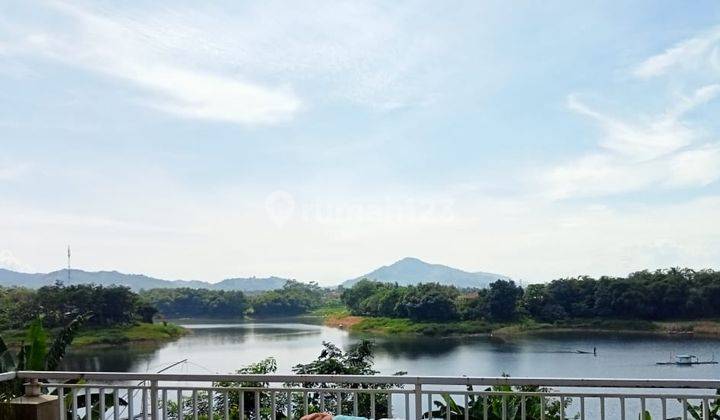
(226, 347)
(109, 359)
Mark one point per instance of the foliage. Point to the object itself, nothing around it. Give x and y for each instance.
(357, 360)
(186, 302)
(264, 367)
(659, 295)
(478, 405)
(109, 305)
(35, 355)
(424, 302)
(331, 309)
(430, 302)
(502, 300)
(405, 326)
(672, 294)
(129, 333)
(59, 304)
(294, 298)
(696, 411)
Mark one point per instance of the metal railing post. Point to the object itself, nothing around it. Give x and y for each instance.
(154, 400)
(418, 400)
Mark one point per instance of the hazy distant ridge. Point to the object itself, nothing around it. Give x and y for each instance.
(413, 271)
(134, 281)
(404, 272)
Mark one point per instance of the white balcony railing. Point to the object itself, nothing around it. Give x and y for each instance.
(144, 396)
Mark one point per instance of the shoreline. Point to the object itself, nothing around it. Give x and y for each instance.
(111, 336)
(387, 326)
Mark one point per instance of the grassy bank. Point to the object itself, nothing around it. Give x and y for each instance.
(379, 325)
(130, 334)
(331, 311)
(113, 335)
(702, 328)
(405, 326)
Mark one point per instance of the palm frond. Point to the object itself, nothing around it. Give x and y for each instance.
(7, 361)
(37, 346)
(63, 341)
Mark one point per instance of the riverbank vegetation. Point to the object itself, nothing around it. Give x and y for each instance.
(112, 335)
(676, 301)
(294, 298)
(135, 333)
(112, 314)
(36, 353)
(58, 304)
(668, 301)
(186, 302)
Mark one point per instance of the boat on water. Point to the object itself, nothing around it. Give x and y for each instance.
(688, 360)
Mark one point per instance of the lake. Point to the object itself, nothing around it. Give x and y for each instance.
(226, 347)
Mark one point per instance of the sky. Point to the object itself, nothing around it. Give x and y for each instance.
(319, 140)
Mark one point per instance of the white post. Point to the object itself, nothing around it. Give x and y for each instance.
(418, 400)
(154, 399)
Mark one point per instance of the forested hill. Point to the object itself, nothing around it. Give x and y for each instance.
(672, 294)
(134, 281)
(409, 271)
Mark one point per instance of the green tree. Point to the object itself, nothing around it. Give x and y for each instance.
(294, 298)
(502, 300)
(34, 353)
(477, 405)
(357, 360)
(430, 302)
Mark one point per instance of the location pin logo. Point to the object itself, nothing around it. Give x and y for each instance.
(280, 206)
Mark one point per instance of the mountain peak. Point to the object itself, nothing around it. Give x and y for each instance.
(411, 270)
(410, 260)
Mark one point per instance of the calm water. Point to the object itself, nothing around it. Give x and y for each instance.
(223, 348)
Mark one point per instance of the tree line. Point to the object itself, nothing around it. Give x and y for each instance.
(293, 299)
(58, 304)
(659, 295)
(117, 305)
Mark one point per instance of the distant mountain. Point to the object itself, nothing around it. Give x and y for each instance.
(404, 272)
(251, 284)
(413, 271)
(133, 281)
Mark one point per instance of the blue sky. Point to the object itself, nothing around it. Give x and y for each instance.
(318, 140)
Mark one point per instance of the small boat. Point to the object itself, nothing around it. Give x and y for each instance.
(688, 360)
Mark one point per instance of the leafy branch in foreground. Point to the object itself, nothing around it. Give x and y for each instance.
(478, 405)
(357, 360)
(34, 354)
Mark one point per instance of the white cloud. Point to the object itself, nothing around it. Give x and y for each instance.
(593, 175)
(645, 151)
(258, 63)
(648, 138)
(606, 174)
(379, 55)
(10, 262)
(691, 53)
(697, 167)
(135, 52)
(632, 155)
